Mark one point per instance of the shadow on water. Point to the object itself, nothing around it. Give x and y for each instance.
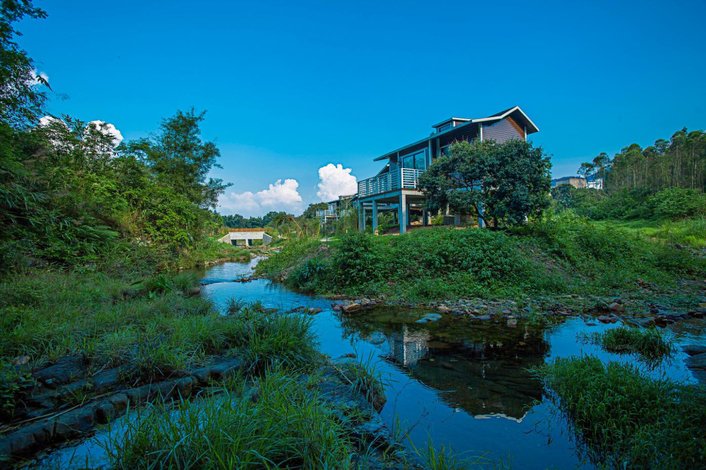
(466, 384)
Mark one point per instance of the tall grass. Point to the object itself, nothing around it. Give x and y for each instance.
(285, 425)
(624, 419)
(649, 344)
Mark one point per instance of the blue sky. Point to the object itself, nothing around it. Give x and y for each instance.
(292, 86)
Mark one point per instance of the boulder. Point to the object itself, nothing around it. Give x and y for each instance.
(429, 317)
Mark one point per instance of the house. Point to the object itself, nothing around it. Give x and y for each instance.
(395, 187)
(575, 181)
(246, 237)
(335, 209)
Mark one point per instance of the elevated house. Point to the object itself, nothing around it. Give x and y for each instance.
(395, 187)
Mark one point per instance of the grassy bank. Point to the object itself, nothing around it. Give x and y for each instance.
(563, 254)
(624, 419)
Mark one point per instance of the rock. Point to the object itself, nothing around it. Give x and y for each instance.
(429, 317)
(697, 361)
(313, 310)
(512, 323)
(106, 380)
(607, 319)
(193, 291)
(483, 317)
(616, 307)
(64, 371)
(697, 313)
(694, 349)
(443, 309)
(351, 308)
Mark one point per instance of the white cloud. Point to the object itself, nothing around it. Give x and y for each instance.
(280, 196)
(107, 129)
(47, 121)
(334, 181)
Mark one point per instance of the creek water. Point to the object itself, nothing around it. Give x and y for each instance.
(463, 384)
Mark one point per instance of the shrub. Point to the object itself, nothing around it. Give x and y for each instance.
(678, 203)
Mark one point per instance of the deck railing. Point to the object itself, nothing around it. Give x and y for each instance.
(400, 178)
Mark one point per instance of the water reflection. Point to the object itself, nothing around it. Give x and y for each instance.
(482, 368)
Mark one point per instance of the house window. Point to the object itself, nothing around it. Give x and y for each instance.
(446, 150)
(444, 127)
(416, 160)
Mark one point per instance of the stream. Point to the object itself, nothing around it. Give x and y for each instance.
(466, 385)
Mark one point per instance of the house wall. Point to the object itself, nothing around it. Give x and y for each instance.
(503, 130)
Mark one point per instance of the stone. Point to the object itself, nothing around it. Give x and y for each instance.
(64, 371)
(351, 308)
(512, 323)
(616, 307)
(106, 379)
(607, 319)
(483, 317)
(314, 310)
(443, 309)
(429, 317)
(193, 291)
(697, 361)
(694, 349)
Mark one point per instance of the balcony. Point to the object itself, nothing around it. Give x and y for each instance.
(398, 178)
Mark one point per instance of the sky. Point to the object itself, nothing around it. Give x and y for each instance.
(300, 97)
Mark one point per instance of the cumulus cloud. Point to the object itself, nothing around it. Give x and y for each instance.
(334, 181)
(279, 196)
(106, 129)
(47, 121)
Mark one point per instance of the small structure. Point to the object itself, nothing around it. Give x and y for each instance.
(246, 237)
(575, 181)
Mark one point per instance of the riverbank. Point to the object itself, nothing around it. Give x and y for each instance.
(82, 349)
(575, 263)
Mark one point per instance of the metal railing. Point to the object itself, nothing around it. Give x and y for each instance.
(399, 178)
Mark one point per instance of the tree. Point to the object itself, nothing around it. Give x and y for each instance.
(310, 212)
(20, 101)
(182, 160)
(506, 182)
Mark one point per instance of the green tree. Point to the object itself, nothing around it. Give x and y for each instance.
(20, 100)
(181, 160)
(506, 182)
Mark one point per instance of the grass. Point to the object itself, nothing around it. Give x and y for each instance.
(284, 425)
(365, 379)
(649, 344)
(152, 328)
(686, 232)
(624, 419)
(562, 254)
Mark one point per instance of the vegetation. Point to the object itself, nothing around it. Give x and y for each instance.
(649, 344)
(287, 425)
(503, 183)
(677, 163)
(625, 419)
(561, 253)
(670, 204)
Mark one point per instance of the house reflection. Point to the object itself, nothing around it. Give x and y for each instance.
(482, 368)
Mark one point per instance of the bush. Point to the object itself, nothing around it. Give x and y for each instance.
(678, 203)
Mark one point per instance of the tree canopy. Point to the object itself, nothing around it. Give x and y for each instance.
(506, 182)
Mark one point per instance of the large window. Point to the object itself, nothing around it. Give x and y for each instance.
(417, 160)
